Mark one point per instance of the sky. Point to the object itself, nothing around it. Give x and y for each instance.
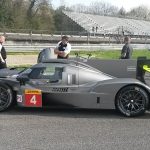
(127, 4)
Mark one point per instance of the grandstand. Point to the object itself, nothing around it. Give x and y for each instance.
(79, 28)
(110, 25)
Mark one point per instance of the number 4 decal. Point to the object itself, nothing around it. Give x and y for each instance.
(33, 98)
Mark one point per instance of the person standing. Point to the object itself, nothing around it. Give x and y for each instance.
(63, 48)
(3, 54)
(127, 49)
(96, 29)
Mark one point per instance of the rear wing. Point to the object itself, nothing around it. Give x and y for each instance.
(143, 70)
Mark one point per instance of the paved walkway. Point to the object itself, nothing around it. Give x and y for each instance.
(16, 60)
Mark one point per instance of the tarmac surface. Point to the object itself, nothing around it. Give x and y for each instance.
(68, 129)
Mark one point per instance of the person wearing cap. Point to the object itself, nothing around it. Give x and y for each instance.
(63, 48)
(127, 49)
(3, 54)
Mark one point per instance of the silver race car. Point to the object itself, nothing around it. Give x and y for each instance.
(74, 84)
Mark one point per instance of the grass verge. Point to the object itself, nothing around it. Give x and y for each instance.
(112, 54)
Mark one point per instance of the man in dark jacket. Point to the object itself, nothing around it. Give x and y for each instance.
(3, 54)
(127, 49)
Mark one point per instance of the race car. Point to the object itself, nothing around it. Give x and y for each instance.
(73, 84)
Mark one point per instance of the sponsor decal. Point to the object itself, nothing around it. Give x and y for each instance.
(19, 98)
(131, 68)
(32, 91)
(33, 98)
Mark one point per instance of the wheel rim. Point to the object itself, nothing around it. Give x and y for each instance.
(4, 97)
(132, 101)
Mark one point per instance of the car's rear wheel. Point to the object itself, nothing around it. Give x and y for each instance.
(6, 97)
(132, 101)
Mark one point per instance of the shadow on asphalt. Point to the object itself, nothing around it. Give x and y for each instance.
(71, 113)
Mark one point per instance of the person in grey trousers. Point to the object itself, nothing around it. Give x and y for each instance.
(127, 49)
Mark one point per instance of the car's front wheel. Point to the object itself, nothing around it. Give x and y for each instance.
(132, 101)
(6, 97)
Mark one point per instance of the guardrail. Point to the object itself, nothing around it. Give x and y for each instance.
(89, 47)
(83, 38)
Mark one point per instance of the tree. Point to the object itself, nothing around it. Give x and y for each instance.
(97, 8)
(6, 18)
(40, 15)
(44, 16)
(139, 12)
(19, 7)
(79, 8)
(122, 12)
(59, 18)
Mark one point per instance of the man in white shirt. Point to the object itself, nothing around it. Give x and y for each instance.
(3, 54)
(63, 48)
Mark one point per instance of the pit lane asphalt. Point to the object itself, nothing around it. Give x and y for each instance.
(63, 129)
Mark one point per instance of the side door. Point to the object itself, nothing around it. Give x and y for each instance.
(57, 81)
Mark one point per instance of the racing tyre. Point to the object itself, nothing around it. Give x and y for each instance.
(132, 101)
(6, 97)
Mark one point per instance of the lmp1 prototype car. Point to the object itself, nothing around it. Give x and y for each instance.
(73, 84)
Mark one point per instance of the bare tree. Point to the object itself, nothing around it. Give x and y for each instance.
(122, 12)
(140, 12)
(31, 6)
(79, 8)
(98, 8)
(62, 3)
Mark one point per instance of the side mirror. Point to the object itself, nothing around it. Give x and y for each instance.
(23, 79)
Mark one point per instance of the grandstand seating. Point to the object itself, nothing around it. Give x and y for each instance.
(110, 25)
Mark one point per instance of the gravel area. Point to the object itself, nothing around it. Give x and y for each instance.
(21, 60)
